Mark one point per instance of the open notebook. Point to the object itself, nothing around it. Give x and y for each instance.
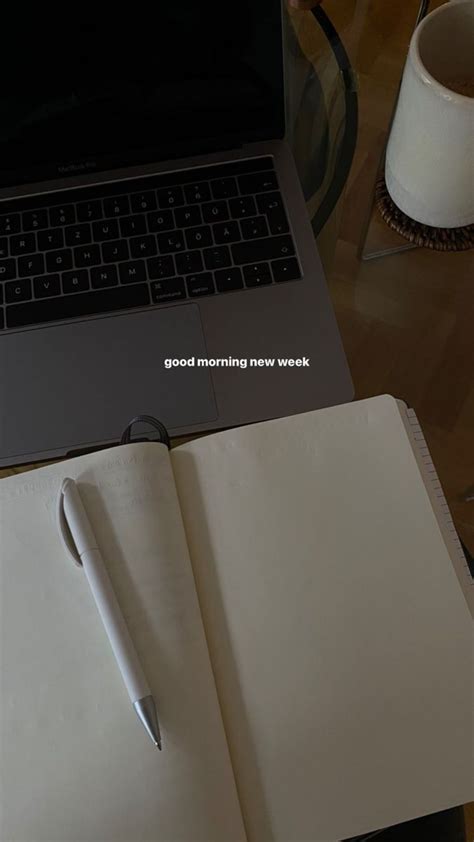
(299, 602)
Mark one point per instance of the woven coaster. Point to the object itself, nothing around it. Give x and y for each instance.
(441, 239)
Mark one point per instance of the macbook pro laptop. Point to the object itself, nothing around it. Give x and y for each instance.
(151, 220)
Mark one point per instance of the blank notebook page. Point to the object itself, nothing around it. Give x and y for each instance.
(340, 637)
(75, 762)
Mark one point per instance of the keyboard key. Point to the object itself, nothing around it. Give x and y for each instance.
(256, 269)
(271, 248)
(88, 211)
(32, 220)
(226, 232)
(132, 272)
(59, 260)
(258, 182)
(143, 246)
(22, 244)
(269, 202)
(197, 192)
(18, 290)
(117, 206)
(173, 241)
(52, 238)
(215, 211)
(224, 188)
(161, 267)
(10, 224)
(286, 270)
(277, 221)
(257, 274)
(2, 319)
(242, 207)
(188, 216)
(62, 215)
(199, 237)
(1, 298)
(3, 247)
(169, 290)
(78, 235)
(143, 202)
(104, 276)
(200, 284)
(7, 269)
(107, 230)
(228, 279)
(114, 251)
(170, 197)
(46, 286)
(255, 226)
(31, 265)
(217, 257)
(189, 262)
(71, 306)
(87, 256)
(132, 226)
(77, 281)
(162, 221)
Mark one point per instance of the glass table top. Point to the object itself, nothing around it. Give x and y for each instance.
(321, 102)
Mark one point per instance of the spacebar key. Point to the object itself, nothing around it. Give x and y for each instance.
(80, 304)
(252, 251)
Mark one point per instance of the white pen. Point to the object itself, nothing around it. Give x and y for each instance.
(86, 552)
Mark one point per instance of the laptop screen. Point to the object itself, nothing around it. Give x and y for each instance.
(99, 87)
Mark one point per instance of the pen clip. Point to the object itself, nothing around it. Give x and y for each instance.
(63, 528)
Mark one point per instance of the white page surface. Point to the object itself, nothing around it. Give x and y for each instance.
(340, 638)
(76, 765)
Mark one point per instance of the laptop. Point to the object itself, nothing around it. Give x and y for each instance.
(155, 250)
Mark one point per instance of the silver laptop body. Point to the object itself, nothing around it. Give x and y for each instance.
(200, 350)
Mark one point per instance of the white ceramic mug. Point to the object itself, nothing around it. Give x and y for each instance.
(429, 167)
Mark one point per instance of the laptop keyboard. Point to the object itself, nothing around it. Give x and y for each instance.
(141, 242)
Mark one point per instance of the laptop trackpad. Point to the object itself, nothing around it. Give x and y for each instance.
(78, 384)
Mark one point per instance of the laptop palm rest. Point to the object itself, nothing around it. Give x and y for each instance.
(92, 377)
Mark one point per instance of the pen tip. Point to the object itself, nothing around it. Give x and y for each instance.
(146, 711)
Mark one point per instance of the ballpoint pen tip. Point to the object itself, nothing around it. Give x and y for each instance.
(145, 708)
